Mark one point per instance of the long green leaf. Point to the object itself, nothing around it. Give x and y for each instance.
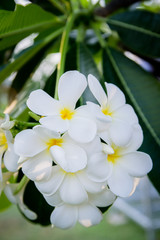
(16, 25)
(28, 54)
(86, 65)
(139, 31)
(143, 92)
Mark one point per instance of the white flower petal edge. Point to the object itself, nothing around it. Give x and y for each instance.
(42, 103)
(71, 86)
(103, 199)
(97, 90)
(66, 216)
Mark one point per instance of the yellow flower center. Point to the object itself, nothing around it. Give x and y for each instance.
(54, 141)
(66, 114)
(3, 140)
(114, 157)
(106, 111)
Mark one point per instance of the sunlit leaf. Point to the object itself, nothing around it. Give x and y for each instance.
(139, 31)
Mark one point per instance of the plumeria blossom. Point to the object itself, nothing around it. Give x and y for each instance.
(39, 147)
(113, 115)
(6, 147)
(17, 199)
(87, 214)
(125, 163)
(61, 115)
(72, 187)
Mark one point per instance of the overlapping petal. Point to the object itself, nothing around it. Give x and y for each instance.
(137, 164)
(71, 157)
(82, 129)
(89, 215)
(120, 182)
(55, 123)
(72, 191)
(28, 144)
(64, 216)
(52, 184)
(38, 167)
(103, 199)
(116, 98)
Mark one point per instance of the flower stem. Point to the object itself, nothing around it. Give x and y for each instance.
(56, 4)
(22, 183)
(63, 50)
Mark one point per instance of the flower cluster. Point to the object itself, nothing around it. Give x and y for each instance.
(80, 158)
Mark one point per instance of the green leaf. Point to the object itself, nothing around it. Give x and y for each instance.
(139, 31)
(28, 54)
(4, 202)
(143, 92)
(86, 65)
(16, 25)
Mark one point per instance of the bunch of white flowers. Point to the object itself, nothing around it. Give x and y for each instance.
(81, 158)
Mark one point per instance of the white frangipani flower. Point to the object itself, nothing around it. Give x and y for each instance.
(113, 115)
(9, 191)
(39, 147)
(125, 163)
(87, 214)
(73, 187)
(6, 147)
(61, 115)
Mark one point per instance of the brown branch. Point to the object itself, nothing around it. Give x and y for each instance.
(113, 6)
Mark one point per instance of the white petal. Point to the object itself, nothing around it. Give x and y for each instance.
(116, 97)
(82, 129)
(52, 184)
(120, 183)
(102, 199)
(96, 112)
(71, 157)
(97, 90)
(38, 167)
(120, 133)
(137, 164)
(55, 123)
(98, 168)
(27, 143)
(126, 114)
(11, 159)
(71, 86)
(64, 216)
(89, 185)
(89, 215)
(72, 191)
(135, 141)
(44, 133)
(53, 200)
(92, 147)
(41, 103)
